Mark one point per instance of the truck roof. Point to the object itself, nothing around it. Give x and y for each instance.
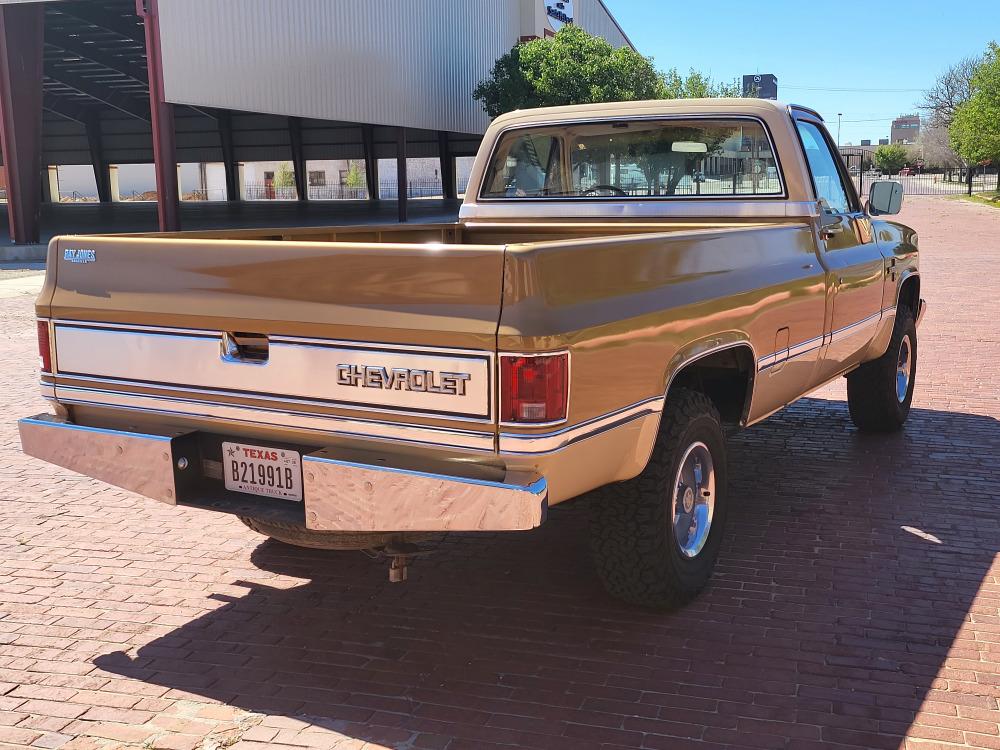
(718, 106)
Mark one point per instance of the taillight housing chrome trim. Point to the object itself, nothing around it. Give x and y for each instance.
(557, 365)
(44, 333)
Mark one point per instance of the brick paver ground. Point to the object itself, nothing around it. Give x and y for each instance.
(855, 604)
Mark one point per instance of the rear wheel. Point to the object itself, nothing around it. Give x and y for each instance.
(655, 538)
(879, 392)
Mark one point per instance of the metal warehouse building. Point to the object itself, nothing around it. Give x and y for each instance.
(111, 83)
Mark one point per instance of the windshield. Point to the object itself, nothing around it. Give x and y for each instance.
(635, 159)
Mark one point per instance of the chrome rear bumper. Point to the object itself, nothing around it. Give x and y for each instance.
(339, 494)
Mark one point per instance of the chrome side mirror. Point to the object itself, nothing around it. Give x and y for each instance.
(885, 197)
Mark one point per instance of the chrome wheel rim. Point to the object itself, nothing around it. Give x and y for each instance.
(692, 506)
(904, 369)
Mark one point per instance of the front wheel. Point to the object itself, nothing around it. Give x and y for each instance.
(879, 392)
(655, 538)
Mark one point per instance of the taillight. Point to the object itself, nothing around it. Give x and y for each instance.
(534, 388)
(44, 348)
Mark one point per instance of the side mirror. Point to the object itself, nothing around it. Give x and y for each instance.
(885, 197)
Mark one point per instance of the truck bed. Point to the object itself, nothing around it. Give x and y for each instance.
(137, 331)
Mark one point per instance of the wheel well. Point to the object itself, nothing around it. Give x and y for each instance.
(909, 293)
(726, 377)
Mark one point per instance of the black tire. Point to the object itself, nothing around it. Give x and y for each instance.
(298, 535)
(633, 539)
(872, 388)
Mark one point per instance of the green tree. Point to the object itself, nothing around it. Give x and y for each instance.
(571, 67)
(975, 129)
(891, 158)
(696, 85)
(355, 177)
(284, 176)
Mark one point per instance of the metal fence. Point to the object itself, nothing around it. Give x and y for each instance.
(387, 190)
(710, 185)
(205, 194)
(920, 181)
(958, 182)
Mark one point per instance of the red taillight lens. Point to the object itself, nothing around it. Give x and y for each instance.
(534, 389)
(44, 349)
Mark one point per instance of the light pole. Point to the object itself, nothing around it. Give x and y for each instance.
(839, 115)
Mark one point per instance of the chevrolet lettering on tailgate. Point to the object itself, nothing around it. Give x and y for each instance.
(401, 378)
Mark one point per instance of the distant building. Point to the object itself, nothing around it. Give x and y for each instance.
(761, 85)
(866, 141)
(905, 129)
(883, 141)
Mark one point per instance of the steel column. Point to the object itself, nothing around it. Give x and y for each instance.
(371, 161)
(401, 181)
(298, 158)
(225, 120)
(162, 118)
(448, 187)
(22, 35)
(102, 175)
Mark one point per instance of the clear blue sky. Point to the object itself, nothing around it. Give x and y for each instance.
(815, 47)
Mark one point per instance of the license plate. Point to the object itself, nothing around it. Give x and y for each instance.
(257, 470)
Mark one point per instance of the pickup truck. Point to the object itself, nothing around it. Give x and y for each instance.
(626, 284)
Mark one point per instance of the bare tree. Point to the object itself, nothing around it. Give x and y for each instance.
(935, 148)
(952, 88)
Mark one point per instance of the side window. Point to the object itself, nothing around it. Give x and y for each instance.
(823, 165)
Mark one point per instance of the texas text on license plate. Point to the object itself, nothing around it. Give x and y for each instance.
(272, 472)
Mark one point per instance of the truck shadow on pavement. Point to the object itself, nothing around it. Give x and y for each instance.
(842, 602)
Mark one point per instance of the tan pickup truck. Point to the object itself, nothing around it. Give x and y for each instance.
(626, 283)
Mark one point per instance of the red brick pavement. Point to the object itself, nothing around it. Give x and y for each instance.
(855, 604)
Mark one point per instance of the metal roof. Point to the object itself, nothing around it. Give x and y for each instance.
(95, 59)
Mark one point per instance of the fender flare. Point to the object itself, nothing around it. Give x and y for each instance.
(905, 278)
(697, 350)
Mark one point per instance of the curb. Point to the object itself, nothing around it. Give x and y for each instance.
(23, 253)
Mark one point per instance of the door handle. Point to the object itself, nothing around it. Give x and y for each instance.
(830, 230)
(245, 348)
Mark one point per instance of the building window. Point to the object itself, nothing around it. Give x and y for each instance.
(317, 178)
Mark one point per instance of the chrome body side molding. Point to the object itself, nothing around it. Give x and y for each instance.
(862, 327)
(548, 442)
(366, 429)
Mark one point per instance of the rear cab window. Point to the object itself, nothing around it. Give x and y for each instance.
(640, 159)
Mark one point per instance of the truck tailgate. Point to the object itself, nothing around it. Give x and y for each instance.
(406, 331)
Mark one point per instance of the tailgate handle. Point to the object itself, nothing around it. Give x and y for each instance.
(244, 348)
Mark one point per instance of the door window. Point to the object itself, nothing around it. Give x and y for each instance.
(823, 166)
